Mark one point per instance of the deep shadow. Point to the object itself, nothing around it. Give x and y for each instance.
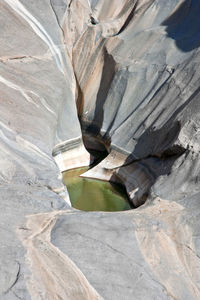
(151, 165)
(96, 156)
(184, 25)
(106, 79)
(171, 121)
(156, 152)
(128, 20)
(79, 100)
(135, 10)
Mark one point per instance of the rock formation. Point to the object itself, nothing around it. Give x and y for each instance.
(120, 76)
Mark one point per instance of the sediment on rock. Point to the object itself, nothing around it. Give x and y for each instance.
(53, 274)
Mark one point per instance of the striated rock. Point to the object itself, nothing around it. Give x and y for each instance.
(148, 254)
(119, 76)
(50, 268)
(139, 89)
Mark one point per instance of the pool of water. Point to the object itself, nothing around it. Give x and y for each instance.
(94, 195)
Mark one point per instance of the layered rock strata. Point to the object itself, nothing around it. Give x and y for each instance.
(120, 76)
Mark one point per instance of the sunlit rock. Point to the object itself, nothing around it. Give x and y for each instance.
(120, 77)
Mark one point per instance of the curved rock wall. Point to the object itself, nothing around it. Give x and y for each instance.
(138, 79)
(121, 76)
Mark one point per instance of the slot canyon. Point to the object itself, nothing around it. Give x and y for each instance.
(112, 88)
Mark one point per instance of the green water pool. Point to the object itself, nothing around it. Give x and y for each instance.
(94, 195)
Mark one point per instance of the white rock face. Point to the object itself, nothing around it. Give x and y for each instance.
(122, 76)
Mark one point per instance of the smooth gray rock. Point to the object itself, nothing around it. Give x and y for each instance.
(122, 76)
(107, 252)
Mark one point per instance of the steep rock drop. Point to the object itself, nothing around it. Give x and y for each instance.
(120, 77)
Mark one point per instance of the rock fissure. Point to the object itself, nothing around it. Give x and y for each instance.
(15, 281)
(120, 77)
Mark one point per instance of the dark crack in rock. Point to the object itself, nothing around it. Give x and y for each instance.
(119, 77)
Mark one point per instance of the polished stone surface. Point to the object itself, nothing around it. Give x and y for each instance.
(119, 75)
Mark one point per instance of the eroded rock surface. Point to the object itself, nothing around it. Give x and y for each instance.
(120, 75)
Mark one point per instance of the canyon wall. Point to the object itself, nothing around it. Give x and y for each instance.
(119, 76)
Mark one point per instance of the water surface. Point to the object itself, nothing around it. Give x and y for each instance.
(94, 195)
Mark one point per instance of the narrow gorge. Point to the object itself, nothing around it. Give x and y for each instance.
(110, 88)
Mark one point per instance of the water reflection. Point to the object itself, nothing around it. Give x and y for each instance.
(94, 195)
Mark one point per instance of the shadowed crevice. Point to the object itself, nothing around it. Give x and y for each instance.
(183, 25)
(106, 79)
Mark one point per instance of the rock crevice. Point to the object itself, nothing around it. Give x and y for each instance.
(118, 76)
